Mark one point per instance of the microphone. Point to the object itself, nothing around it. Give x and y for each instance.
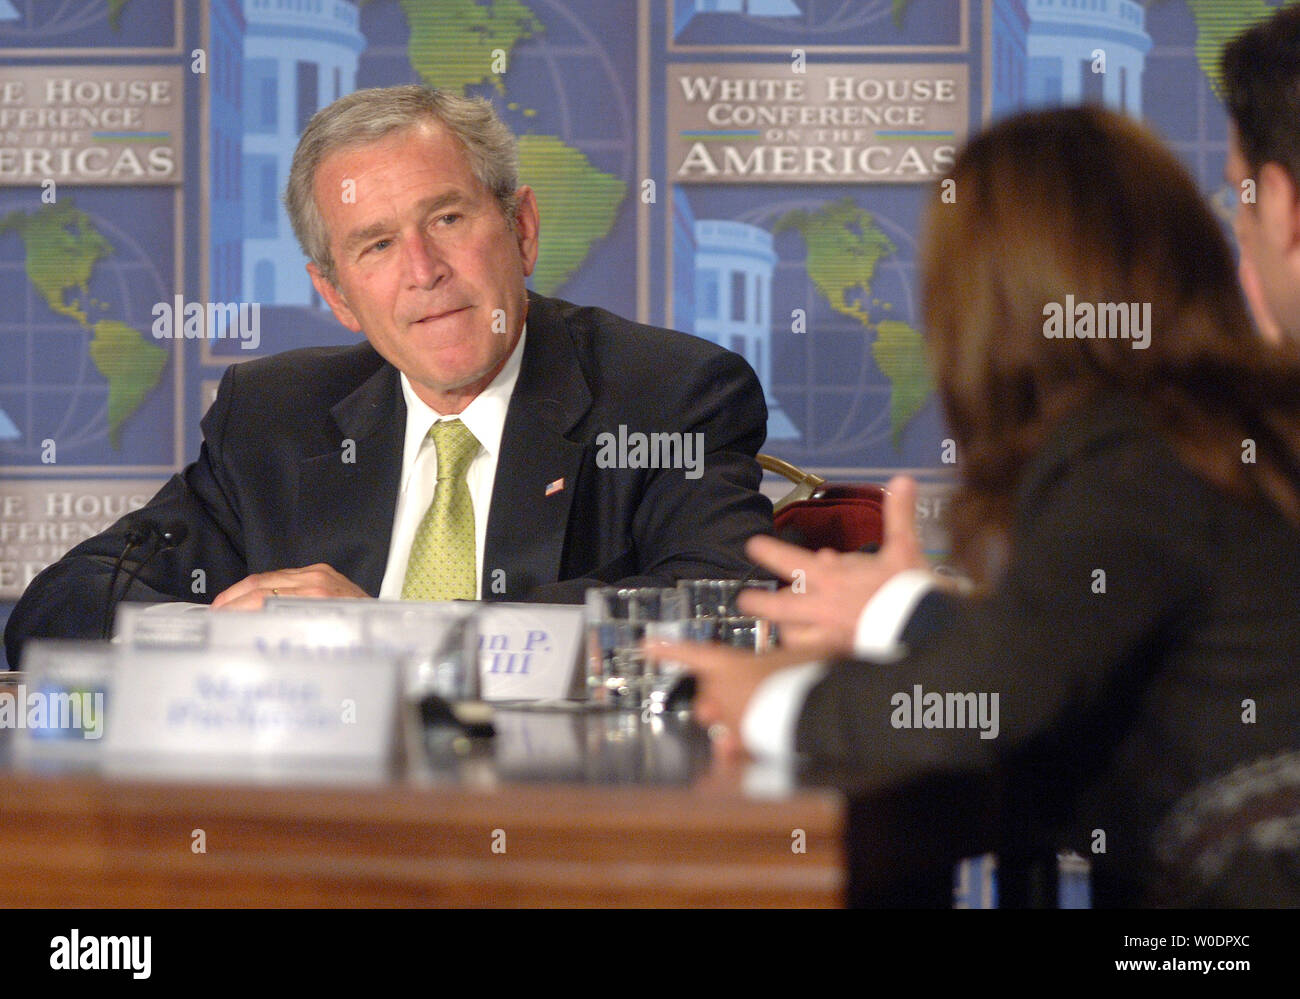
(135, 536)
(173, 534)
(167, 538)
(164, 539)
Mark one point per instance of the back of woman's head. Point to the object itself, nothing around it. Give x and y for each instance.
(1071, 256)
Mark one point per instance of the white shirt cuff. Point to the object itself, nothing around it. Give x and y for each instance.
(767, 729)
(881, 622)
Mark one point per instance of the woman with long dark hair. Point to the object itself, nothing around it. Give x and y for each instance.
(1128, 505)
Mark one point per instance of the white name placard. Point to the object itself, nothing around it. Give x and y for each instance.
(529, 651)
(166, 626)
(233, 704)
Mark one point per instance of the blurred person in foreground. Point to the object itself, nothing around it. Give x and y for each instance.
(1128, 508)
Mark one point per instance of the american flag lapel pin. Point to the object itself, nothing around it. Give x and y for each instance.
(555, 487)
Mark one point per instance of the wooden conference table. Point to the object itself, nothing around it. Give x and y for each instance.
(559, 809)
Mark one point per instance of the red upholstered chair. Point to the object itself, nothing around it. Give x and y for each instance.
(818, 514)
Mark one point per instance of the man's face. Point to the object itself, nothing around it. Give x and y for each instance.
(426, 265)
(1268, 235)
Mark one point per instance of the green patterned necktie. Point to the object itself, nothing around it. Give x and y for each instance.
(443, 564)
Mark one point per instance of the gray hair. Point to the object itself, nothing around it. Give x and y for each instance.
(368, 115)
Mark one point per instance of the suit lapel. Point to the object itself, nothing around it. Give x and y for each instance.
(347, 496)
(538, 467)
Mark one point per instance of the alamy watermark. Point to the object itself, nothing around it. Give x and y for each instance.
(92, 952)
(930, 709)
(182, 320)
(1102, 321)
(655, 450)
(59, 710)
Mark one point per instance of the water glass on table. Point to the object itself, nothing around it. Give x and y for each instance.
(619, 621)
(715, 617)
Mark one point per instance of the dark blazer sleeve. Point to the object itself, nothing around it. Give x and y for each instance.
(682, 527)
(68, 599)
(1067, 642)
(931, 615)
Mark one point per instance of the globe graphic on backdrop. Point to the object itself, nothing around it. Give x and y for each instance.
(576, 140)
(63, 393)
(580, 107)
(867, 425)
(578, 121)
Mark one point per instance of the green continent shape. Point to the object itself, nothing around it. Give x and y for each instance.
(899, 351)
(115, 8)
(900, 11)
(132, 366)
(577, 204)
(1217, 23)
(452, 42)
(62, 247)
(844, 246)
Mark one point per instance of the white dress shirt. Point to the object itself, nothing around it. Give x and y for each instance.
(768, 727)
(485, 417)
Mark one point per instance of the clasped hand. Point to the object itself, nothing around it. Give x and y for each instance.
(319, 580)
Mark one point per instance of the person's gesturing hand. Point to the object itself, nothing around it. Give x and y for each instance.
(820, 610)
(319, 580)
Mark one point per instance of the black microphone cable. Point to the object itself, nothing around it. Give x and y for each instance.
(165, 539)
(146, 530)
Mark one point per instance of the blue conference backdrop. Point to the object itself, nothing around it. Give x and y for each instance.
(751, 171)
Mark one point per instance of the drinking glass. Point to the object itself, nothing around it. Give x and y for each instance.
(715, 598)
(619, 620)
(715, 617)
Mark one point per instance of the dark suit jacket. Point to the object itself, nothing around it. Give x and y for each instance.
(273, 486)
(1117, 693)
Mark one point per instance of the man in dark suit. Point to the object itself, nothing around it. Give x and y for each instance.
(596, 450)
